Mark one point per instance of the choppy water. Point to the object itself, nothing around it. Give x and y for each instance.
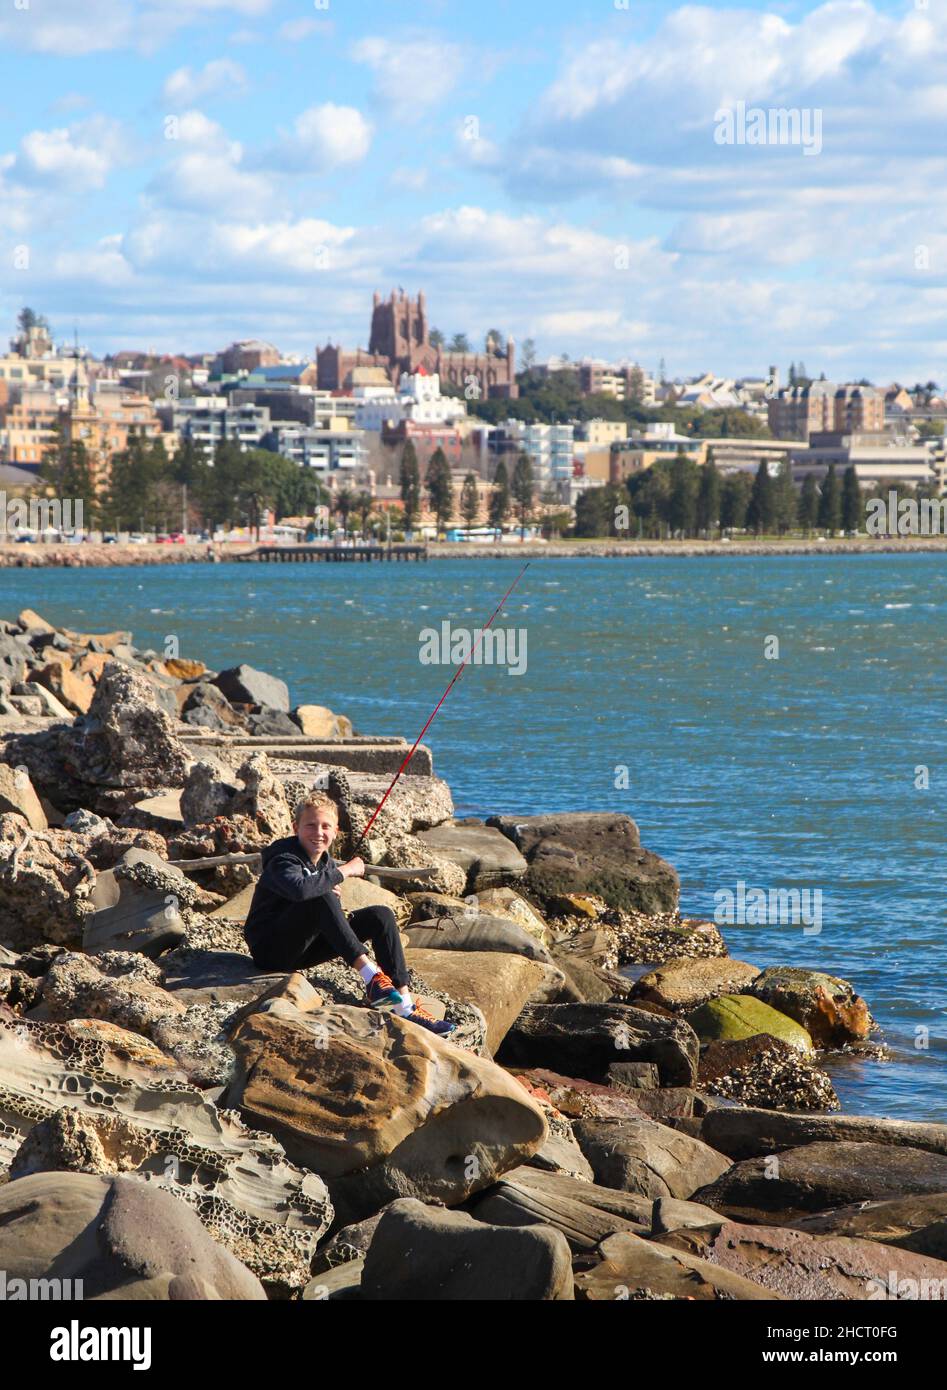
(797, 771)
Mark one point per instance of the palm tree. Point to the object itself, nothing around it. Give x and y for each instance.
(344, 504)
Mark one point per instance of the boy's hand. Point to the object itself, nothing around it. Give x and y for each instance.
(353, 868)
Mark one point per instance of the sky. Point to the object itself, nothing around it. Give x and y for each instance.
(178, 174)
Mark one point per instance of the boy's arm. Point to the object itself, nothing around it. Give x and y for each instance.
(284, 875)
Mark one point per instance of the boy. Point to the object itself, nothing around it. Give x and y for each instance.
(296, 917)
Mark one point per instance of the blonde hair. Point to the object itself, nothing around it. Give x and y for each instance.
(316, 801)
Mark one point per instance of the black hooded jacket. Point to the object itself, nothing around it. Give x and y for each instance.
(289, 882)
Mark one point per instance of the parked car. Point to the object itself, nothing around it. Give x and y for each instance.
(137, 539)
(177, 538)
(110, 539)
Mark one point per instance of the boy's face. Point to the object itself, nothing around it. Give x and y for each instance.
(316, 829)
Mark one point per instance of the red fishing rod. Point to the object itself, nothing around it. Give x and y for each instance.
(430, 721)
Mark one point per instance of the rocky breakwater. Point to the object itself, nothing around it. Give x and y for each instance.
(588, 1131)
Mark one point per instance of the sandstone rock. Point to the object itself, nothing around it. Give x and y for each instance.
(30, 621)
(767, 1072)
(18, 990)
(584, 1039)
(487, 857)
(52, 708)
(801, 1266)
(72, 690)
(590, 984)
(17, 795)
(267, 1212)
(583, 1211)
(641, 1156)
(917, 1223)
(827, 1007)
(245, 685)
(183, 669)
(91, 664)
(632, 1268)
(591, 852)
(740, 1016)
(505, 902)
(421, 1252)
(750, 1133)
(138, 910)
(358, 892)
(110, 1233)
(46, 885)
(271, 723)
(417, 802)
(671, 1214)
(206, 707)
(316, 721)
(820, 1175)
(633, 1076)
(684, 984)
(408, 852)
(360, 1095)
(499, 984)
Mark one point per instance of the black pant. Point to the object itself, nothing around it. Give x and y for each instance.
(327, 932)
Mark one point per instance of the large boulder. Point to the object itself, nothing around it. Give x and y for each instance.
(584, 1039)
(505, 902)
(685, 984)
(72, 689)
(378, 1106)
(591, 853)
(819, 1176)
(45, 885)
(632, 1268)
(244, 685)
(741, 1016)
(497, 983)
(422, 1252)
(827, 1007)
(317, 721)
(487, 857)
(116, 1236)
(206, 707)
(469, 930)
(751, 1133)
(639, 1155)
(139, 1114)
(583, 1211)
(139, 906)
(809, 1267)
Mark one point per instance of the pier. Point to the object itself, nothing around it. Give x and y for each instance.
(301, 554)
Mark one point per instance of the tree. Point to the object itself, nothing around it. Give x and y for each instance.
(27, 319)
(66, 470)
(636, 386)
(523, 489)
(410, 485)
(853, 508)
(440, 489)
(436, 338)
(596, 509)
(761, 510)
(650, 493)
(682, 503)
(784, 499)
(830, 502)
(734, 502)
(808, 508)
(459, 343)
(708, 498)
(363, 505)
(470, 501)
(493, 340)
(529, 354)
(344, 504)
(500, 501)
(662, 372)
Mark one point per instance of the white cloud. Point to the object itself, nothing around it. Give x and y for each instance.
(77, 158)
(411, 75)
(323, 138)
(205, 170)
(184, 87)
(68, 29)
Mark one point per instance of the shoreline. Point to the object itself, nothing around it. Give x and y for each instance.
(118, 556)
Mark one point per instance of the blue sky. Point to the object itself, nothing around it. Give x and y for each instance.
(178, 173)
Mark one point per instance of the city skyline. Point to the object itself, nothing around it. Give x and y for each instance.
(180, 175)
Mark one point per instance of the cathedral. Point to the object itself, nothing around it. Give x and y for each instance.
(399, 342)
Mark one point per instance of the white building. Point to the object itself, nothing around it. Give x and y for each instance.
(418, 399)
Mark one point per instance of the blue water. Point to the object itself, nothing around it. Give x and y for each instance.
(791, 772)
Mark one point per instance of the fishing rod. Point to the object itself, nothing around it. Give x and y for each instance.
(430, 721)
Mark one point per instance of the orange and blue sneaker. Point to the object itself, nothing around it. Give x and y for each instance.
(441, 1026)
(381, 993)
